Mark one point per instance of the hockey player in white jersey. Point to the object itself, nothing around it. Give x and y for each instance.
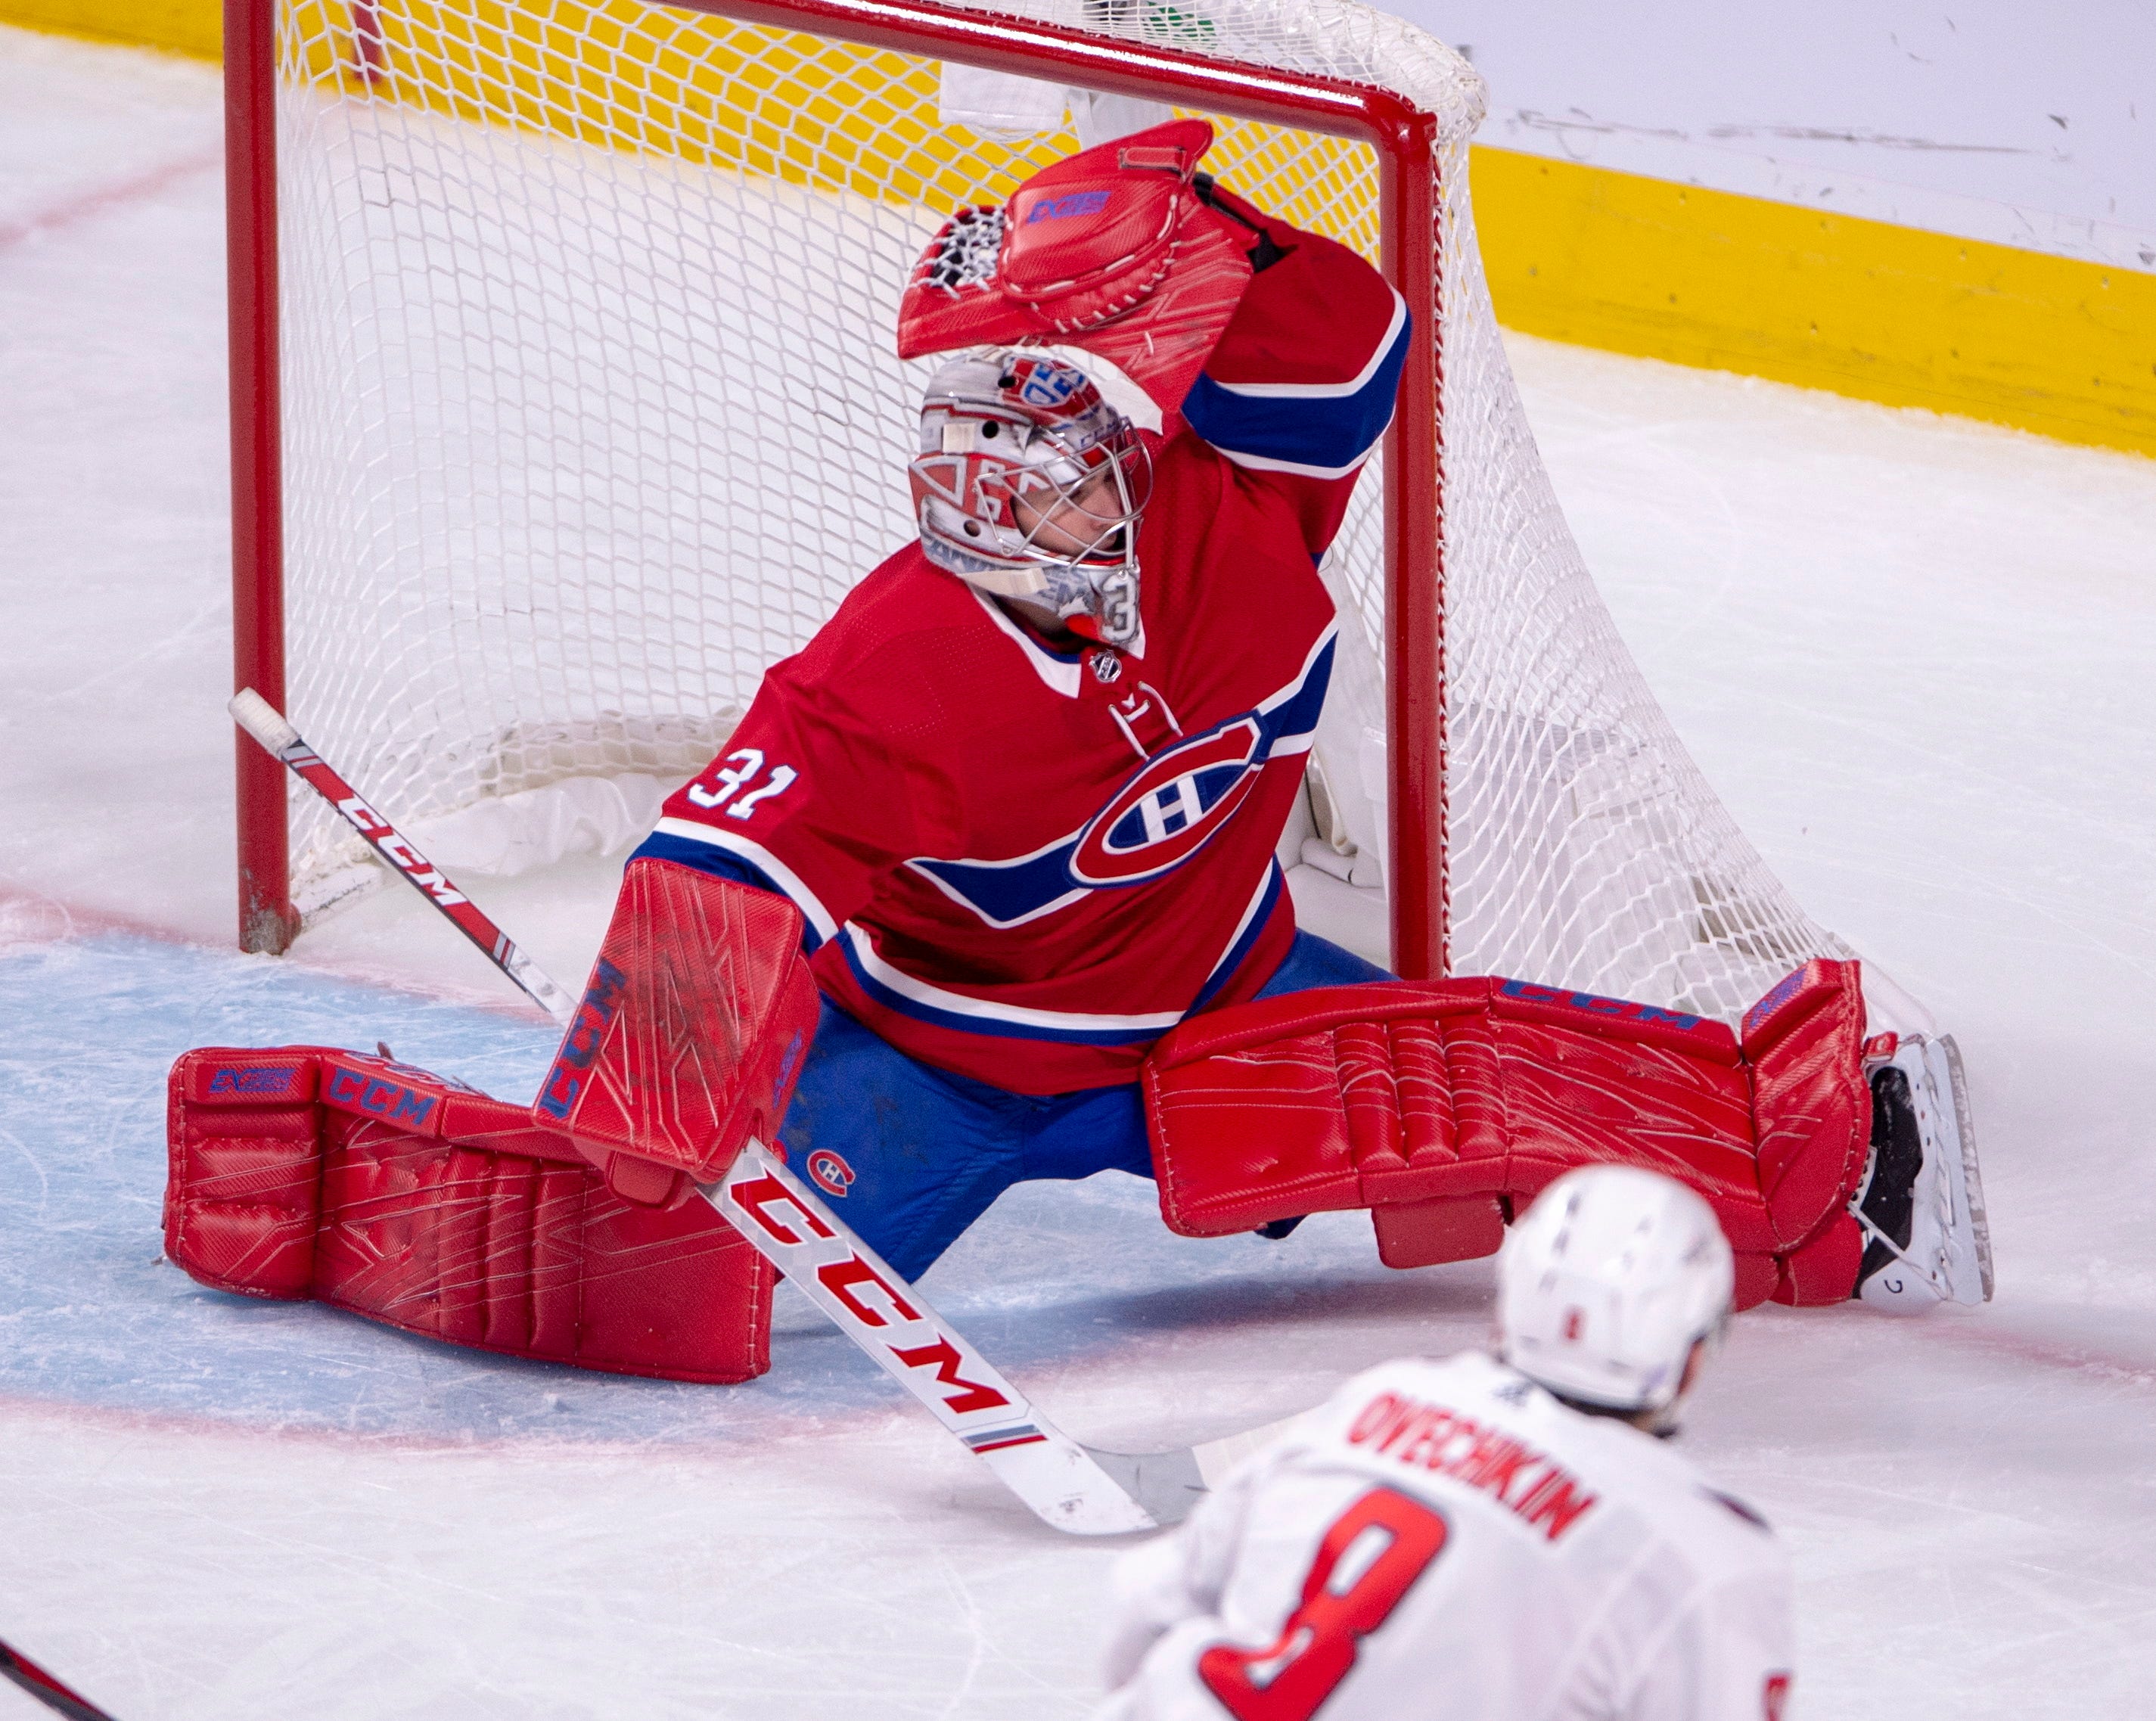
(1488, 1538)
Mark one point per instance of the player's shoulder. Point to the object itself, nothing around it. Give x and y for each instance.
(1442, 1407)
(1450, 1419)
(905, 601)
(1240, 528)
(911, 652)
(1467, 1382)
(1718, 1537)
(1659, 1477)
(1204, 491)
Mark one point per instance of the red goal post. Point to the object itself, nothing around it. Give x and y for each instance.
(1405, 141)
(565, 402)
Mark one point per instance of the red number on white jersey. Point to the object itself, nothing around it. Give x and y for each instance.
(1370, 1556)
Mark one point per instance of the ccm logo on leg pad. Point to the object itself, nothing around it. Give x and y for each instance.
(372, 1096)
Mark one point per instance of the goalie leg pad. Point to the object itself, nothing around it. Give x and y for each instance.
(1443, 1107)
(690, 1034)
(303, 1172)
(1821, 1271)
(1337, 1097)
(1805, 1044)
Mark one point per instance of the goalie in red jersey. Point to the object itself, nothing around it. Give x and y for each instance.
(1013, 811)
(1025, 787)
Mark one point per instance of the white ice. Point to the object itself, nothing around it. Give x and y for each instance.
(1913, 655)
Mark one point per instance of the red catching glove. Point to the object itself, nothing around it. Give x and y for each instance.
(1109, 258)
(690, 1034)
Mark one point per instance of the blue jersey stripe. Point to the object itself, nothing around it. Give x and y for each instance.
(953, 1021)
(718, 862)
(1231, 965)
(1322, 434)
(1293, 713)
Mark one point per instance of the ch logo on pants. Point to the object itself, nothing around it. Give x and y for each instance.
(829, 1171)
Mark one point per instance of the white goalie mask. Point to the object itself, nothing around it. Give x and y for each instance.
(1029, 485)
(1605, 1285)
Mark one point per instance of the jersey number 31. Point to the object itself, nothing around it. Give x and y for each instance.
(1372, 1553)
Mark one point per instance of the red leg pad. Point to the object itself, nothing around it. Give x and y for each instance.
(1823, 1270)
(303, 1172)
(1347, 1097)
(1439, 1105)
(1805, 1041)
(1425, 1233)
(1598, 1081)
(690, 1034)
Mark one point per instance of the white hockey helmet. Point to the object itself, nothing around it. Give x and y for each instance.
(1016, 448)
(1606, 1283)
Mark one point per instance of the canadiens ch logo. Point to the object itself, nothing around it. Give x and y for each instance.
(831, 1172)
(1177, 801)
(1168, 812)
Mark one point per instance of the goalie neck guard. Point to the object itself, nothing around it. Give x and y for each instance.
(1029, 486)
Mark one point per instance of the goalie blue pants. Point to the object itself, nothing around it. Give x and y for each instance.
(912, 1155)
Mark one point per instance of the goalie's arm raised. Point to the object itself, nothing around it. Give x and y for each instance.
(1301, 386)
(1180, 301)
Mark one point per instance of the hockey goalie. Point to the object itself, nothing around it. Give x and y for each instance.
(983, 889)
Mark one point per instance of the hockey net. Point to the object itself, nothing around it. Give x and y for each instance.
(590, 413)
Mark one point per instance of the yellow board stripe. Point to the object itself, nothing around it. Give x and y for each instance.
(702, 90)
(194, 27)
(1581, 254)
(1883, 313)
(626, 75)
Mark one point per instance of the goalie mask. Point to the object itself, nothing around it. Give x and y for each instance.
(1030, 486)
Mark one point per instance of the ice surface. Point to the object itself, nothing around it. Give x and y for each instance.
(1912, 654)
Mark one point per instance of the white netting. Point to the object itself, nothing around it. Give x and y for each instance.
(590, 413)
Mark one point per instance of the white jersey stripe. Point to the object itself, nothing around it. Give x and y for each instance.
(958, 1004)
(776, 869)
(1324, 390)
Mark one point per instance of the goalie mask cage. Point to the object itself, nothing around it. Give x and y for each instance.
(564, 404)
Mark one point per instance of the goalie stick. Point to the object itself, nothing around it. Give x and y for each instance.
(1074, 1488)
(20, 1670)
(277, 737)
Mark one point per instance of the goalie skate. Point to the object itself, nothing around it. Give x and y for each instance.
(1926, 1239)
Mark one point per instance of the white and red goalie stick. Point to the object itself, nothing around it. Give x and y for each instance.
(1071, 1487)
(278, 738)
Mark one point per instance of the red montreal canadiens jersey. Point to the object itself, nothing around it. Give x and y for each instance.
(1025, 864)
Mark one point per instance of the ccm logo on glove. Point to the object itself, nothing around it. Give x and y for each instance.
(1076, 202)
